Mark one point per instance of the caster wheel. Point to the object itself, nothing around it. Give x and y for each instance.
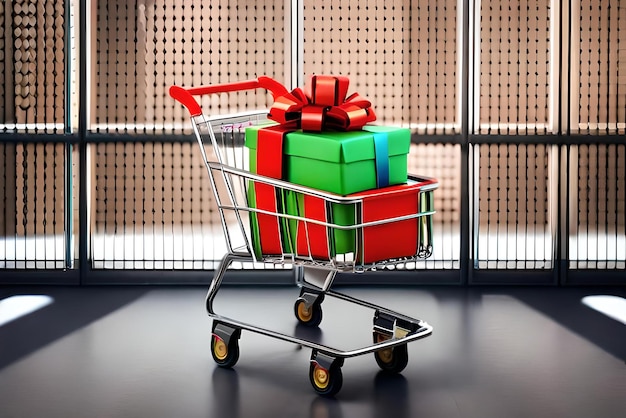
(225, 355)
(326, 382)
(310, 317)
(391, 359)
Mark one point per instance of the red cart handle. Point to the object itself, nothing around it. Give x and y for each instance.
(185, 95)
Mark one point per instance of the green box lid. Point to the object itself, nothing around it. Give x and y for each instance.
(337, 146)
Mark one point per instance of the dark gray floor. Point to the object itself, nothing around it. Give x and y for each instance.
(144, 352)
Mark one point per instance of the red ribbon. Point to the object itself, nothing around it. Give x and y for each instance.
(312, 239)
(323, 105)
(269, 163)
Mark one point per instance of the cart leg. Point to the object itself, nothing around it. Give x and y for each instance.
(219, 277)
(298, 275)
(314, 277)
(395, 327)
(325, 374)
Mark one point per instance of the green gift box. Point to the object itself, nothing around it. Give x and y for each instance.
(337, 162)
(341, 162)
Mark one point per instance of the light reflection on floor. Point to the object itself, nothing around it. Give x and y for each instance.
(611, 306)
(15, 307)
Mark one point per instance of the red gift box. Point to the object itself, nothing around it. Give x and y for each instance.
(372, 243)
(393, 239)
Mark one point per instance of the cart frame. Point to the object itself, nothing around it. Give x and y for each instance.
(226, 161)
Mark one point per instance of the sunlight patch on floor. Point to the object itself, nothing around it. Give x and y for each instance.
(15, 307)
(611, 306)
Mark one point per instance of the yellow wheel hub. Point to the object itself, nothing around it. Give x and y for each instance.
(304, 313)
(220, 349)
(321, 377)
(386, 354)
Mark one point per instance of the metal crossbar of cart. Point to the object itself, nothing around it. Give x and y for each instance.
(221, 141)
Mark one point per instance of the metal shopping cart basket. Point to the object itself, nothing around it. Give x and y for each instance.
(221, 140)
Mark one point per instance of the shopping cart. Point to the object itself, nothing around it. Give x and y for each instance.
(221, 140)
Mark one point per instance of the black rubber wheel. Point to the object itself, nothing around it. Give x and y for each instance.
(391, 359)
(325, 382)
(223, 354)
(310, 317)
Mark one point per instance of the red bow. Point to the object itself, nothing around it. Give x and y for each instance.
(323, 106)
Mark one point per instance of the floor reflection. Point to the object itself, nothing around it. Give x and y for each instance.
(225, 385)
(391, 395)
(325, 408)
